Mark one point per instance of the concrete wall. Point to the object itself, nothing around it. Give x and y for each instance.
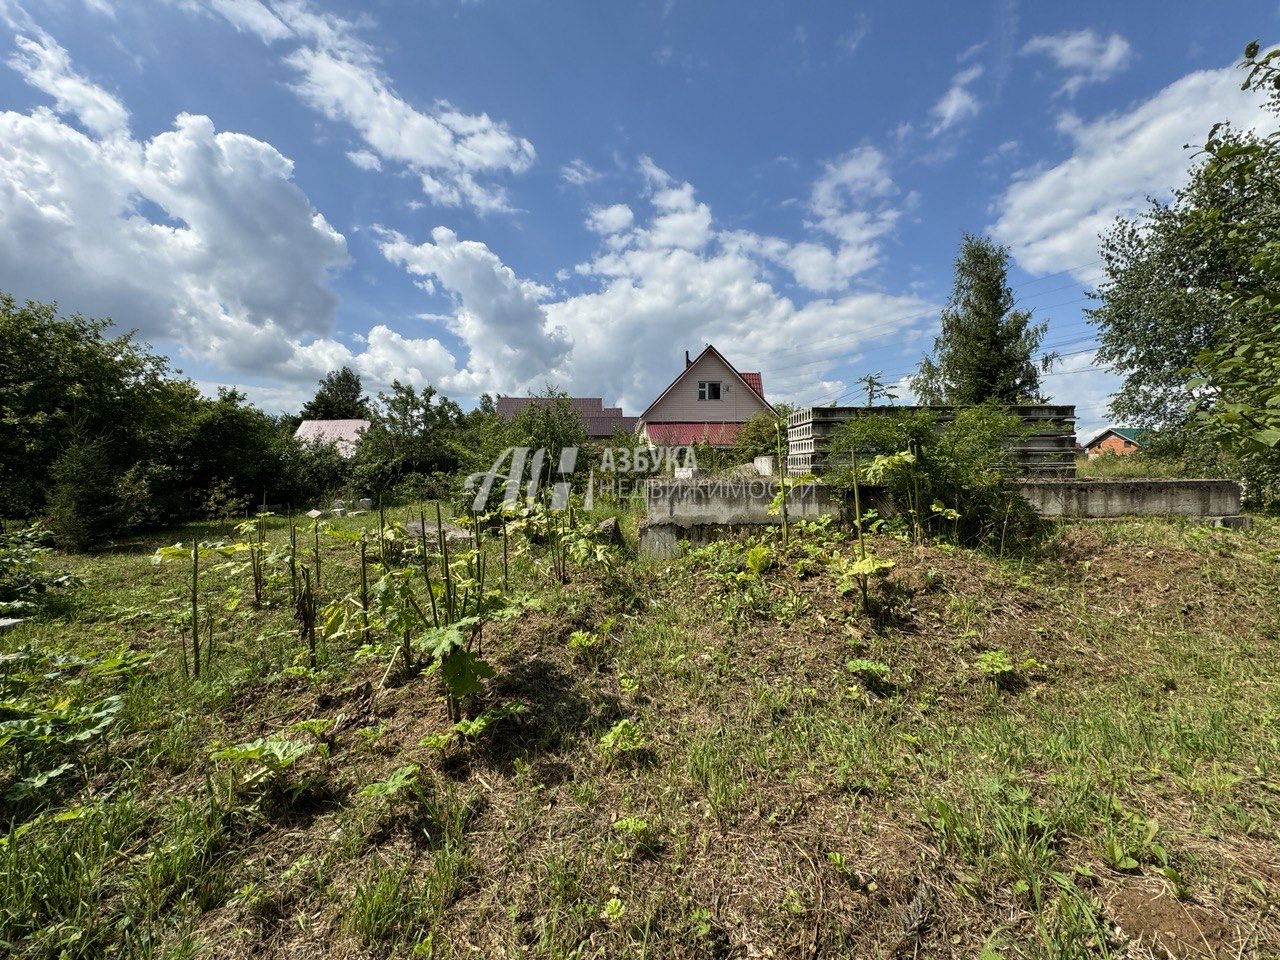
(701, 511)
(738, 500)
(1122, 498)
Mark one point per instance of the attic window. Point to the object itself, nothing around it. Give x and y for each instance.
(708, 389)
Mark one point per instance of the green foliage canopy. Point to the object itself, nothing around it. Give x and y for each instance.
(985, 351)
(338, 397)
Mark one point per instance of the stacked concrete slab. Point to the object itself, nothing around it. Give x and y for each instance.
(1048, 451)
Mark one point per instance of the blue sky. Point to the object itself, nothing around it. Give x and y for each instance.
(493, 194)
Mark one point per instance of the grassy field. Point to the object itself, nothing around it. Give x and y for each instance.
(1135, 466)
(1067, 755)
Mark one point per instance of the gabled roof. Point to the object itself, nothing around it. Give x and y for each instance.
(751, 381)
(1132, 434)
(343, 434)
(755, 383)
(587, 406)
(598, 420)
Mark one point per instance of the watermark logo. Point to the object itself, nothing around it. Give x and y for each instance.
(521, 472)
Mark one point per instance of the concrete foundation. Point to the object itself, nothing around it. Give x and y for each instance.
(701, 511)
(1128, 498)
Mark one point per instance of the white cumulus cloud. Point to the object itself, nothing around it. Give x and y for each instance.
(959, 102)
(454, 154)
(499, 316)
(611, 219)
(1051, 217)
(661, 284)
(199, 239)
(1083, 55)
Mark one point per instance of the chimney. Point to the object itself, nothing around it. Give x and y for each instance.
(687, 362)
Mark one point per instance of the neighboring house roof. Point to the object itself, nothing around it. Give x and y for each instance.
(752, 380)
(687, 434)
(587, 406)
(1132, 434)
(343, 434)
(599, 421)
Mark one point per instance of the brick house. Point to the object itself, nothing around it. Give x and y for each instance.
(599, 421)
(1122, 440)
(708, 402)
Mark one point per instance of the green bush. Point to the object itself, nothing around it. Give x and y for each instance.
(952, 480)
(84, 506)
(23, 579)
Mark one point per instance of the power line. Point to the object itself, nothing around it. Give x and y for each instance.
(831, 357)
(928, 313)
(897, 377)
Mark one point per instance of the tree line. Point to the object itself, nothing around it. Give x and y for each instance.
(99, 436)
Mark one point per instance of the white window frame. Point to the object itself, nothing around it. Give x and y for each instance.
(704, 390)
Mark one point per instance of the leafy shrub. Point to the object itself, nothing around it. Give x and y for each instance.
(48, 714)
(262, 764)
(996, 664)
(84, 506)
(624, 737)
(222, 502)
(401, 780)
(22, 578)
(952, 480)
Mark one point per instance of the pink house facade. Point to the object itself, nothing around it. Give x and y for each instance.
(708, 402)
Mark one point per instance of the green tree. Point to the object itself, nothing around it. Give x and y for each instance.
(410, 433)
(1189, 312)
(758, 436)
(550, 422)
(985, 351)
(338, 397)
(1242, 375)
(97, 433)
(876, 388)
(64, 380)
(1162, 302)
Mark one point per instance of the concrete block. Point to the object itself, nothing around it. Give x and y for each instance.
(1238, 522)
(453, 536)
(1127, 498)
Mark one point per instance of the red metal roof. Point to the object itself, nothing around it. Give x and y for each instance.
(754, 382)
(687, 434)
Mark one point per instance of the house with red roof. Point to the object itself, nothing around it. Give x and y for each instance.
(708, 402)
